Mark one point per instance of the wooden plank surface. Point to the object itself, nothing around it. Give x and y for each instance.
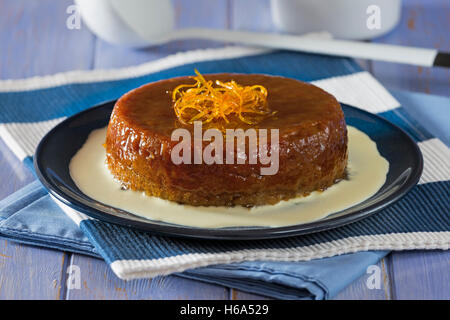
(99, 282)
(421, 275)
(33, 44)
(35, 40)
(423, 24)
(37, 45)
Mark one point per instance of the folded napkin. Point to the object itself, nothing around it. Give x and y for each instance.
(30, 216)
(30, 107)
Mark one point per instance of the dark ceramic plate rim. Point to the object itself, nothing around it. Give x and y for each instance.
(124, 218)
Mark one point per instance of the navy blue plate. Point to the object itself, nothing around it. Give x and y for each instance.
(54, 152)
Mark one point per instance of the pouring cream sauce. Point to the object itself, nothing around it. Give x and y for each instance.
(366, 169)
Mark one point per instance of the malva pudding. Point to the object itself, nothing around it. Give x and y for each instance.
(312, 145)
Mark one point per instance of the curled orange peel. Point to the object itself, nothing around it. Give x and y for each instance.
(202, 101)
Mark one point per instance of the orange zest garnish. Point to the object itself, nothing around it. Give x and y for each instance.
(201, 101)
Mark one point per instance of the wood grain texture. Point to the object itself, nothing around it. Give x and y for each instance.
(35, 41)
(423, 24)
(421, 275)
(30, 273)
(242, 295)
(99, 282)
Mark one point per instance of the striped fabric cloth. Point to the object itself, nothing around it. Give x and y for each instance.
(30, 107)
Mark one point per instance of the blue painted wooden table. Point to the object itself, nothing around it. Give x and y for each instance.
(34, 41)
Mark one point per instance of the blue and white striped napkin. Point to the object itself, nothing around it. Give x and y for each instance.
(30, 107)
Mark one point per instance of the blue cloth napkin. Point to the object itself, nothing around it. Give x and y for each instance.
(30, 216)
(420, 220)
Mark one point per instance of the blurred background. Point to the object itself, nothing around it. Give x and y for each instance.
(40, 37)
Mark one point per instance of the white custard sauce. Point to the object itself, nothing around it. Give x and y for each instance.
(367, 171)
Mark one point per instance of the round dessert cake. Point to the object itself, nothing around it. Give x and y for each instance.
(312, 145)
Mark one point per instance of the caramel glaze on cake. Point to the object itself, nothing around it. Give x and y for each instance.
(312, 139)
